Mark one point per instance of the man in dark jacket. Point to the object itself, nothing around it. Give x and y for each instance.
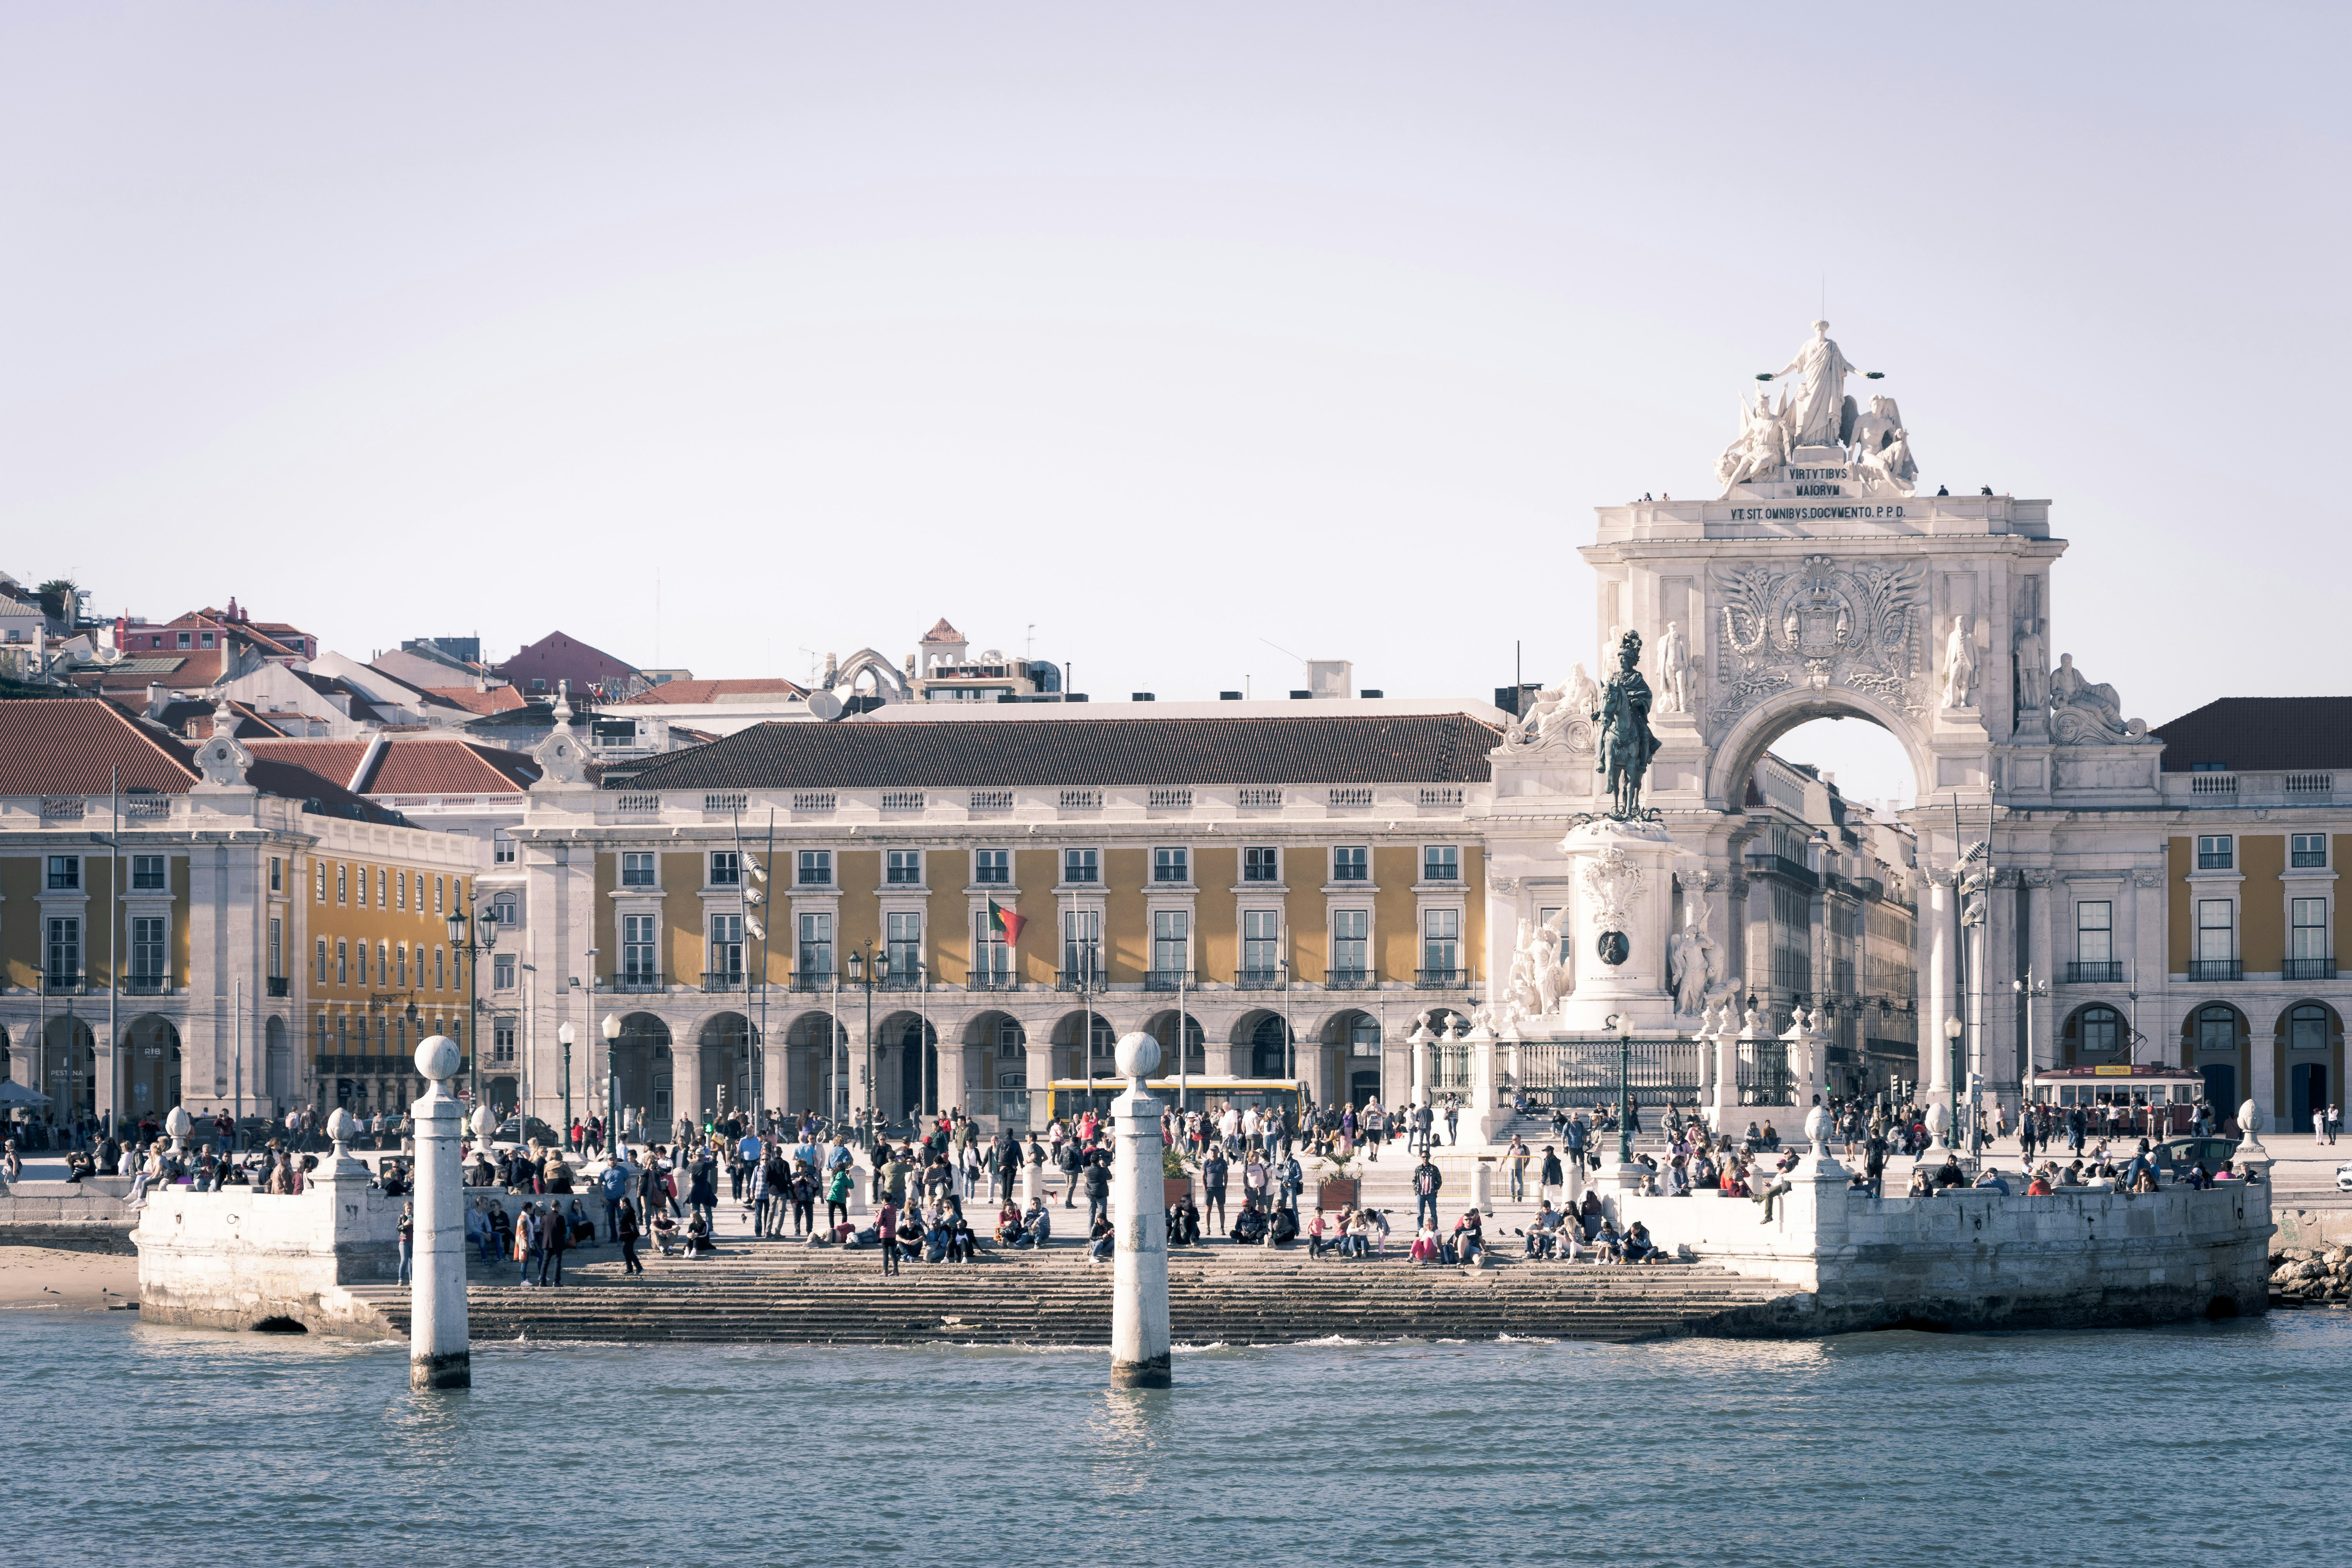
(1214, 1171)
(1098, 1180)
(1427, 1182)
(1071, 1161)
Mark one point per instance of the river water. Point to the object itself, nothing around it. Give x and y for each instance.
(2212, 1443)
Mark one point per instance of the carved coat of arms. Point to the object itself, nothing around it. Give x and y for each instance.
(1825, 625)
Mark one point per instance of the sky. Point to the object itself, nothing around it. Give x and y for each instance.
(1176, 344)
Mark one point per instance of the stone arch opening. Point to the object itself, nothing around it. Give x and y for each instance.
(2307, 1048)
(2096, 1034)
(817, 1073)
(642, 1054)
(1097, 1033)
(1268, 1046)
(2213, 1038)
(725, 1042)
(1352, 1041)
(907, 1070)
(277, 1064)
(69, 1067)
(150, 1067)
(1758, 729)
(1163, 1027)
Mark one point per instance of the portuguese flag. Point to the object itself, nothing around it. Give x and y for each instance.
(1006, 922)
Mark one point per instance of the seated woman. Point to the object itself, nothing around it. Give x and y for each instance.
(1609, 1247)
(1638, 1246)
(1358, 1243)
(1009, 1228)
(1103, 1235)
(1589, 1217)
(1282, 1228)
(1469, 1237)
(2039, 1186)
(697, 1236)
(961, 1242)
(1424, 1246)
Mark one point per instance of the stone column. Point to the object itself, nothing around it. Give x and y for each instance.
(1420, 1040)
(952, 1092)
(1942, 999)
(1723, 1113)
(1484, 1110)
(1139, 1336)
(1041, 1079)
(2041, 1046)
(437, 1352)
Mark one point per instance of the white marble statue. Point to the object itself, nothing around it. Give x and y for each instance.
(2083, 712)
(1543, 954)
(1583, 695)
(1762, 448)
(1674, 671)
(2032, 670)
(1816, 412)
(1881, 446)
(1960, 664)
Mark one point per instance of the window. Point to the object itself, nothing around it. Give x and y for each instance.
(181, 640)
(383, 889)
(1081, 866)
(2216, 933)
(2217, 1028)
(903, 939)
(636, 869)
(276, 949)
(65, 873)
(342, 962)
(726, 869)
(1082, 945)
(1172, 865)
(342, 884)
(727, 947)
(640, 964)
(1261, 944)
(816, 868)
(437, 970)
(1170, 941)
(903, 867)
(502, 850)
(383, 963)
(816, 946)
(502, 1044)
(1441, 863)
(502, 972)
(437, 907)
(400, 890)
(2093, 931)
(65, 950)
(322, 1034)
(2307, 929)
(277, 875)
(2100, 1032)
(323, 961)
(204, 639)
(506, 912)
(321, 866)
(1262, 863)
(991, 866)
(1350, 944)
(1364, 1035)
(361, 889)
(2306, 1028)
(1011, 1041)
(2213, 853)
(148, 874)
(1441, 941)
(1351, 863)
(2307, 851)
(399, 964)
(991, 961)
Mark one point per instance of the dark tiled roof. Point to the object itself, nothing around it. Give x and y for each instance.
(1422, 748)
(2262, 734)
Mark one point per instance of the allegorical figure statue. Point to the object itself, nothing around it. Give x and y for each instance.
(1626, 743)
(1960, 664)
(1674, 670)
(1815, 416)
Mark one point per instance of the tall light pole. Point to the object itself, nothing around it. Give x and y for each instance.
(863, 970)
(563, 1038)
(1953, 1030)
(615, 1147)
(463, 925)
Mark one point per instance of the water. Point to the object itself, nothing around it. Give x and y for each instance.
(2219, 1442)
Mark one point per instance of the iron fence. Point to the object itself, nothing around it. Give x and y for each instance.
(1764, 1076)
(1449, 1066)
(1580, 1071)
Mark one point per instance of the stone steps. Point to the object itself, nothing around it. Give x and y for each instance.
(790, 1295)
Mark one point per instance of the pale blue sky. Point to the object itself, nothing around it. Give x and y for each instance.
(1175, 331)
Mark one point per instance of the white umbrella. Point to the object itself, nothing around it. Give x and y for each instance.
(14, 1093)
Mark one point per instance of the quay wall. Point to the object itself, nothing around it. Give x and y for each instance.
(239, 1258)
(1974, 1259)
(79, 1217)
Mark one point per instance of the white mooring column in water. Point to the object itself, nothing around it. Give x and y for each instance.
(1138, 1303)
(437, 1352)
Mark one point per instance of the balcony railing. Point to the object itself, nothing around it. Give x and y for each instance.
(2309, 969)
(1169, 980)
(991, 980)
(2216, 969)
(1258, 979)
(1347, 979)
(897, 979)
(814, 980)
(2094, 971)
(148, 986)
(1079, 980)
(54, 983)
(636, 980)
(280, 986)
(722, 979)
(1443, 979)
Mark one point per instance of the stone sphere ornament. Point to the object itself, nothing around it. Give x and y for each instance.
(1817, 1129)
(341, 1126)
(178, 1123)
(437, 1059)
(1937, 1119)
(2250, 1124)
(1137, 1054)
(483, 1123)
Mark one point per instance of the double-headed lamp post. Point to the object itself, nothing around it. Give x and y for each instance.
(867, 967)
(461, 927)
(615, 1148)
(563, 1036)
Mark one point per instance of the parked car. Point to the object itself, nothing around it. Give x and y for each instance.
(513, 1129)
(2175, 1155)
(2344, 1178)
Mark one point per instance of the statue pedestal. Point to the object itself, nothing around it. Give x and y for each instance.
(1621, 902)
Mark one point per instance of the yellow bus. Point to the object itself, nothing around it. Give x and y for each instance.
(1068, 1097)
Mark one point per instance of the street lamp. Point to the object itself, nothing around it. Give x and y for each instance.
(615, 1150)
(1953, 1030)
(563, 1038)
(461, 927)
(866, 967)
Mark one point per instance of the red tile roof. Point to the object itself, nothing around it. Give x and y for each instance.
(713, 690)
(1424, 748)
(68, 746)
(411, 764)
(942, 632)
(496, 700)
(197, 669)
(2262, 734)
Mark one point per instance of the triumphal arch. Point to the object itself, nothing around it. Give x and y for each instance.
(1822, 579)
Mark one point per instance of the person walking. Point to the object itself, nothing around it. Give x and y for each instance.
(625, 1223)
(1453, 1120)
(1551, 1177)
(1097, 1180)
(1213, 1172)
(407, 1239)
(1515, 1161)
(554, 1240)
(885, 1230)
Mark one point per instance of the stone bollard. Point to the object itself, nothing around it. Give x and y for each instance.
(1482, 1186)
(1138, 1305)
(438, 1356)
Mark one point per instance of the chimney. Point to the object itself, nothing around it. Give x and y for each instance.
(158, 698)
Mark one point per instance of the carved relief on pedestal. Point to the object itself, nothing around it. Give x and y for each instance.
(1827, 623)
